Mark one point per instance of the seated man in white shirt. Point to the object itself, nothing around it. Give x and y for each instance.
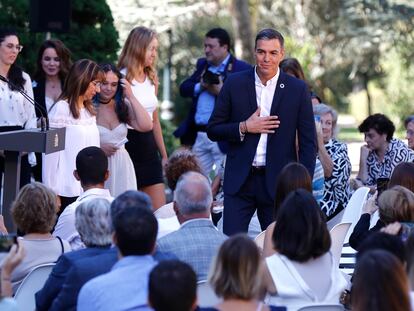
(92, 172)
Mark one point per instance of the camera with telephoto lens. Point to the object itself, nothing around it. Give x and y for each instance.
(211, 78)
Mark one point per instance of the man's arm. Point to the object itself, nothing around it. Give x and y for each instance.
(307, 133)
(188, 86)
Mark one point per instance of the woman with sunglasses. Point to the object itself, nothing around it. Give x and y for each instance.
(16, 112)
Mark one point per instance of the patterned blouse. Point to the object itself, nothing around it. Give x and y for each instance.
(337, 190)
(396, 153)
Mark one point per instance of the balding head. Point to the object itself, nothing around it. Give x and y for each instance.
(193, 196)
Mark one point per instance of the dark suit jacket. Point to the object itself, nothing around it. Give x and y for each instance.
(237, 102)
(81, 272)
(187, 131)
(53, 285)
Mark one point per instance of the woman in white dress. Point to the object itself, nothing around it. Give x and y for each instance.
(302, 271)
(75, 111)
(137, 62)
(53, 64)
(114, 112)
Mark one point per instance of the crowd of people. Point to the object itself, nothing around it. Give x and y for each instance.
(257, 140)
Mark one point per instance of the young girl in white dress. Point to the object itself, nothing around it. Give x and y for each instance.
(74, 110)
(114, 112)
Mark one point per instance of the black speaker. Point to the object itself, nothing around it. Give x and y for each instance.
(50, 15)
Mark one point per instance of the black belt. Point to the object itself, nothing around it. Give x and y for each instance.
(258, 169)
(201, 128)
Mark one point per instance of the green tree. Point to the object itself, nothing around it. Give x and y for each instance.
(92, 34)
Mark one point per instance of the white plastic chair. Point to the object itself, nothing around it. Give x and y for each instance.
(31, 284)
(338, 234)
(353, 209)
(206, 297)
(259, 240)
(322, 307)
(165, 211)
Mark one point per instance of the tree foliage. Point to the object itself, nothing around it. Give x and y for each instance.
(92, 34)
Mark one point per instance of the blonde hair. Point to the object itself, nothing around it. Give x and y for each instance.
(396, 204)
(235, 271)
(134, 51)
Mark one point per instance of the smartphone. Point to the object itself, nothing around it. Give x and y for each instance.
(406, 229)
(6, 242)
(382, 185)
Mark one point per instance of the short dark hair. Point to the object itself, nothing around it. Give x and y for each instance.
(134, 224)
(408, 120)
(293, 176)
(269, 34)
(402, 175)
(384, 241)
(379, 283)
(172, 286)
(221, 35)
(91, 165)
(300, 232)
(380, 123)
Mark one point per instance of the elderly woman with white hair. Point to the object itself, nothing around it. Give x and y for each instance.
(335, 162)
(94, 226)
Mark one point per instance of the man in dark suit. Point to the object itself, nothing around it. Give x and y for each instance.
(203, 87)
(260, 113)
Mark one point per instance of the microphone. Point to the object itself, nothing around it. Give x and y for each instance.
(44, 119)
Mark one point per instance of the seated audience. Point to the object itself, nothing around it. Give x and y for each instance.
(181, 161)
(172, 287)
(236, 276)
(409, 126)
(409, 254)
(91, 171)
(9, 263)
(93, 224)
(125, 287)
(303, 269)
(380, 283)
(395, 204)
(333, 155)
(382, 153)
(197, 241)
(293, 176)
(34, 213)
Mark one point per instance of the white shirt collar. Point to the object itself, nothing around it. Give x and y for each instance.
(269, 82)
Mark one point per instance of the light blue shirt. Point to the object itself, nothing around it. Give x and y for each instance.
(205, 103)
(125, 287)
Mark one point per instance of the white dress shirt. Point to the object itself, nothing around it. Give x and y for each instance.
(264, 99)
(65, 227)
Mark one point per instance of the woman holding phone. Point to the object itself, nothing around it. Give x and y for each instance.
(114, 112)
(137, 63)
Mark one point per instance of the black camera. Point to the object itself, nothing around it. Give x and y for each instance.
(211, 78)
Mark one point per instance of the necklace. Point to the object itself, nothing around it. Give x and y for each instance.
(104, 103)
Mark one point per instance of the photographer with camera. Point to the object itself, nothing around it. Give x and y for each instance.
(203, 87)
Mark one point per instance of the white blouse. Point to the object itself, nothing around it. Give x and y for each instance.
(145, 93)
(58, 167)
(14, 108)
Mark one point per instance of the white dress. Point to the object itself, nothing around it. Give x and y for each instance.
(121, 170)
(58, 167)
(292, 290)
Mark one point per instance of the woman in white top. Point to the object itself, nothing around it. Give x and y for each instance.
(75, 111)
(114, 113)
(53, 64)
(137, 63)
(34, 213)
(302, 271)
(15, 111)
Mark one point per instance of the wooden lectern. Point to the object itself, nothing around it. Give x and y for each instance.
(14, 143)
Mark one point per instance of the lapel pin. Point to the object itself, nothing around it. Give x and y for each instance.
(282, 86)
